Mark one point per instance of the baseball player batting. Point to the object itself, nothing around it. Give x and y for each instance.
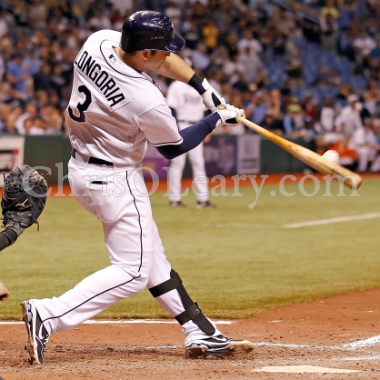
(115, 108)
(188, 108)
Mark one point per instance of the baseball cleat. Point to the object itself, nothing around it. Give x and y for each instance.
(219, 347)
(37, 334)
(206, 204)
(177, 204)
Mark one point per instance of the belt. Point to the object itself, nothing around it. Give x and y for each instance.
(187, 121)
(93, 160)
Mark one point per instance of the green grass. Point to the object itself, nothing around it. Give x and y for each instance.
(234, 261)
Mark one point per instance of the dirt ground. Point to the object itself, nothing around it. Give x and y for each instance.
(322, 333)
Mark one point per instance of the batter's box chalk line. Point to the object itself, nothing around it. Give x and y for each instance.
(121, 322)
(302, 369)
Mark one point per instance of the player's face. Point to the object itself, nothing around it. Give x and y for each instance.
(154, 60)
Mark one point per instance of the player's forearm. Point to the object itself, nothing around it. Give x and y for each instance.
(174, 67)
(192, 137)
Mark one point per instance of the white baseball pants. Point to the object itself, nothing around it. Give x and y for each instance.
(177, 166)
(366, 154)
(134, 245)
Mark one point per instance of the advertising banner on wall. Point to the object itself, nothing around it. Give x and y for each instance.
(224, 154)
(248, 160)
(11, 154)
(220, 155)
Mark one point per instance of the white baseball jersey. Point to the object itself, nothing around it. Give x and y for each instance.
(115, 109)
(187, 103)
(362, 137)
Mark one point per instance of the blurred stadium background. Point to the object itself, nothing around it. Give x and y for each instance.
(308, 70)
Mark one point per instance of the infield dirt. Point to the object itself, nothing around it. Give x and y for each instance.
(318, 333)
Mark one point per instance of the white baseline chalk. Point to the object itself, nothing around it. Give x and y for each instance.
(332, 220)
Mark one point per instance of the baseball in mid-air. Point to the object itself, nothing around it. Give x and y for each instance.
(332, 156)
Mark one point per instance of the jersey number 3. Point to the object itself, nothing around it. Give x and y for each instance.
(81, 107)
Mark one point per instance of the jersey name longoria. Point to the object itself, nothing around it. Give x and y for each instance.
(107, 85)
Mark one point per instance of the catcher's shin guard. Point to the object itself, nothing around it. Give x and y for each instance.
(192, 311)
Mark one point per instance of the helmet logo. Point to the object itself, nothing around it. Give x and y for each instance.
(159, 34)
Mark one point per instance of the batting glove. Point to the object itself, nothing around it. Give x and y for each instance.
(229, 114)
(211, 98)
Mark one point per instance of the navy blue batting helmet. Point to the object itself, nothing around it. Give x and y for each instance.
(148, 30)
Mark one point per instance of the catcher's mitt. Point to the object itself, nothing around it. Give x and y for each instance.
(24, 198)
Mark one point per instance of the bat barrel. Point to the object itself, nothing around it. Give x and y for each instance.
(307, 156)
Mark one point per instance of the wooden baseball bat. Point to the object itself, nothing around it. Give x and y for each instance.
(307, 156)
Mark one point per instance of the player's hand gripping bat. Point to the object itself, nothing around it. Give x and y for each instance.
(307, 156)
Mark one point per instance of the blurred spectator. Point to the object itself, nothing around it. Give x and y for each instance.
(10, 122)
(374, 56)
(349, 118)
(285, 22)
(279, 43)
(286, 91)
(210, 33)
(4, 29)
(363, 45)
(17, 71)
(373, 7)
(240, 84)
(330, 9)
(329, 32)
(232, 69)
(260, 80)
(323, 78)
(326, 129)
(4, 112)
(251, 43)
(232, 44)
(41, 79)
(52, 121)
(5, 89)
(42, 99)
(262, 14)
(250, 63)
(275, 104)
(367, 148)
(34, 126)
(174, 13)
(37, 14)
(57, 80)
(309, 107)
(334, 79)
(223, 20)
(274, 125)
(294, 68)
(15, 98)
(371, 97)
(344, 92)
(30, 113)
(258, 109)
(293, 122)
(201, 59)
